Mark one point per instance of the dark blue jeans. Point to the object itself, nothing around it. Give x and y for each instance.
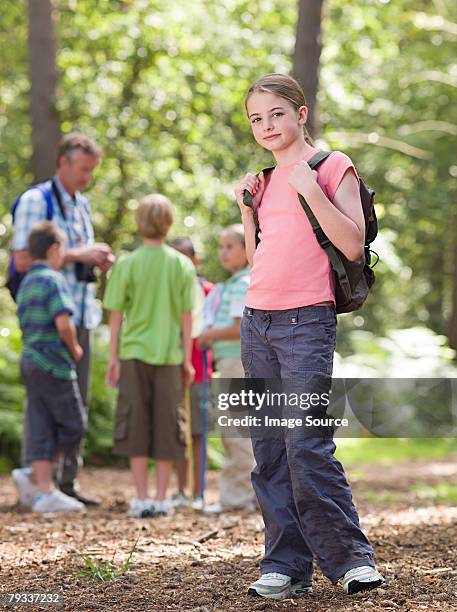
(305, 499)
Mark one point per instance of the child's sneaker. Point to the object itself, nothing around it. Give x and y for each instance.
(26, 490)
(141, 508)
(180, 500)
(197, 503)
(161, 508)
(272, 586)
(362, 578)
(55, 501)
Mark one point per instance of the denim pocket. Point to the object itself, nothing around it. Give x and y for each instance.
(312, 342)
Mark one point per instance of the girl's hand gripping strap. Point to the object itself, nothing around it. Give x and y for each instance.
(247, 201)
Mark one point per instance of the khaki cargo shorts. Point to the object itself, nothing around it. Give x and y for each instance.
(150, 415)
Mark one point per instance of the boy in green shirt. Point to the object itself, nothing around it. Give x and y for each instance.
(150, 295)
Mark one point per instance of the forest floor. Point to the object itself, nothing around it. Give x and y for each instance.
(189, 561)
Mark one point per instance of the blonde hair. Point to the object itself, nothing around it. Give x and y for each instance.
(236, 230)
(283, 86)
(154, 216)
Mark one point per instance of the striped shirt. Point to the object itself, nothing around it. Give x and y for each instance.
(230, 308)
(43, 295)
(78, 231)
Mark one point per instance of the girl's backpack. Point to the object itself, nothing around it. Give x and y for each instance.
(353, 279)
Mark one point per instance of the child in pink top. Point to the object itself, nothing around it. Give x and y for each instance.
(288, 332)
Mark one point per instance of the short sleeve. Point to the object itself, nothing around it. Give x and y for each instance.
(116, 291)
(59, 300)
(238, 298)
(188, 286)
(333, 170)
(31, 209)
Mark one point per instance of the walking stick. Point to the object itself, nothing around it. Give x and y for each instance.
(203, 411)
(190, 446)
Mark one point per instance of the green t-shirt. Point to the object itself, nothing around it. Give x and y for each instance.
(153, 286)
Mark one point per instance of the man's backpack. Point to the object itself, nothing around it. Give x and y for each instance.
(15, 278)
(353, 279)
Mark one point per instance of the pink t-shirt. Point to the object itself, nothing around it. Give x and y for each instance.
(290, 268)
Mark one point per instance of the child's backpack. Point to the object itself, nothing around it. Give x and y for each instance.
(353, 279)
(14, 277)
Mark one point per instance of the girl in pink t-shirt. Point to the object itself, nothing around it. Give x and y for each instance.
(288, 332)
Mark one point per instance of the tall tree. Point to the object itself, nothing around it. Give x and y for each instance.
(43, 84)
(308, 46)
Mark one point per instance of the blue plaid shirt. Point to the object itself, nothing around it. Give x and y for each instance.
(79, 232)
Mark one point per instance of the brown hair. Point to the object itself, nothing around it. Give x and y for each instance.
(154, 216)
(42, 236)
(184, 245)
(236, 230)
(77, 140)
(283, 86)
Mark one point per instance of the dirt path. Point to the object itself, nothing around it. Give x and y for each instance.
(191, 562)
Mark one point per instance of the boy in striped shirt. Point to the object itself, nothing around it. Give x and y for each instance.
(54, 416)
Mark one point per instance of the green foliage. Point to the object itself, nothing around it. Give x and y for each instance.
(439, 493)
(387, 97)
(161, 87)
(387, 451)
(11, 394)
(99, 439)
(106, 571)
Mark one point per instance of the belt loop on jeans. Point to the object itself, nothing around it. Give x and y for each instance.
(249, 311)
(294, 317)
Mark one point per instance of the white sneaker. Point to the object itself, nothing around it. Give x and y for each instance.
(56, 501)
(272, 586)
(213, 509)
(26, 490)
(161, 508)
(180, 500)
(197, 503)
(141, 508)
(362, 578)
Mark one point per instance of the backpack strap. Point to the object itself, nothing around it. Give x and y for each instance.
(247, 201)
(46, 192)
(313, 163)
(322, 239)
(318, 159)
(247, 197)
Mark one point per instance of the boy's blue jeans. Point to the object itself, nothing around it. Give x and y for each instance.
(305, 499)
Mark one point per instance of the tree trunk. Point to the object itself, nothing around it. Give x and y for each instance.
(43, 84)
(308, 46)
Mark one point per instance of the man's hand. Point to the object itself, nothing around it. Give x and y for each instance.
(108, 263)
(98, 254)
(114, 372)
(188, 373)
